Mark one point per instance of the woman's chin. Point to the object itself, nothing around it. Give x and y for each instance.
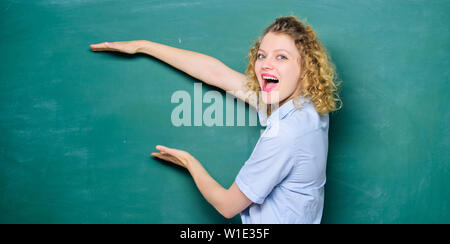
(271, 98)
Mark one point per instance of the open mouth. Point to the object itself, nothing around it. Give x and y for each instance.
(270, 82)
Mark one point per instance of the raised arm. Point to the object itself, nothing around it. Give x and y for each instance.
(202, 67)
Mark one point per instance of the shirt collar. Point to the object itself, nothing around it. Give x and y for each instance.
(279, 113)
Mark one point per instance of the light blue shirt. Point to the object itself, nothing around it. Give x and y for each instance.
(285, 174)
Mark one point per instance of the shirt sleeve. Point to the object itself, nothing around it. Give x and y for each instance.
(270, 162)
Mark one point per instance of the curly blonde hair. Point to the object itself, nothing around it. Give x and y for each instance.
(317, 71)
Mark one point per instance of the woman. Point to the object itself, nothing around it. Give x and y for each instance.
(293, 78)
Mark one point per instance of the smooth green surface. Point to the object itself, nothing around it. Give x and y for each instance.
(77, 127)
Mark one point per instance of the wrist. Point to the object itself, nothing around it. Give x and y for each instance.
(191, 163)
(142, 46)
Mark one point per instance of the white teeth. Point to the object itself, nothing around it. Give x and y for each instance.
(269, 78)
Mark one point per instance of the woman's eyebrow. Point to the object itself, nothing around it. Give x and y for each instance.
(280, 49)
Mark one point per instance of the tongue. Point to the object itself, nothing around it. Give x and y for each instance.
(270, 86)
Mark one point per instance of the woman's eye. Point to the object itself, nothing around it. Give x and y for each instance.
(281, 57)
(260, 56)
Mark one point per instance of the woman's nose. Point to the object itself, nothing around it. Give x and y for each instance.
(267, 64)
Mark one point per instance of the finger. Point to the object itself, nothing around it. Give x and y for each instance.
(161, 148)
(98, 45)
(167, 152)
(163, 157)
(97, 49)
(169, 158)
(171, 151)
(104, 46)
(158, 155)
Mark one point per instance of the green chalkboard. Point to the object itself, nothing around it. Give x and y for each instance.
(77, 127)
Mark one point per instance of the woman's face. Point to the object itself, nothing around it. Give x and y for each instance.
(277, 67)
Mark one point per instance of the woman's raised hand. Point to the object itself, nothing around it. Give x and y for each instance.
(176, 156)
(130, 47)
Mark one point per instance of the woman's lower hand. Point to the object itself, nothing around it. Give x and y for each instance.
(176, 156)
(130, 47)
